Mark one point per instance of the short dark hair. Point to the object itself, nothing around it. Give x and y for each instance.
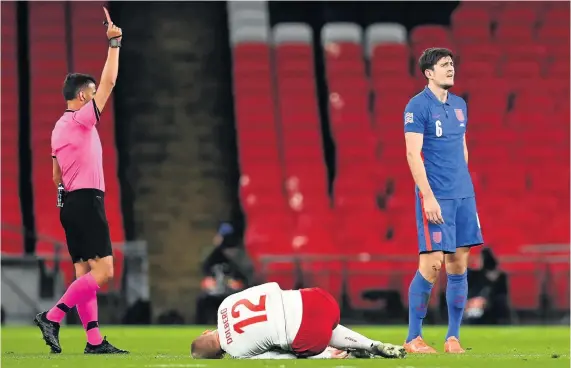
(74, 83)
(430, 57)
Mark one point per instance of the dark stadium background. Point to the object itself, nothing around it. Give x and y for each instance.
(172, 150)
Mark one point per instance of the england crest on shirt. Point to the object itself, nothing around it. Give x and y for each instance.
(408, 118)
(459, 114)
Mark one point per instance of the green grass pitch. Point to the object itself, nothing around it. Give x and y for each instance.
(168, 347)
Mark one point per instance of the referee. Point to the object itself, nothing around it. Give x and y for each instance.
(78, 174)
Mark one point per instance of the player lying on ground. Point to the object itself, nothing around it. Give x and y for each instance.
(266, 322)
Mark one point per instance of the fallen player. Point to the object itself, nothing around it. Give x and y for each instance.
(266, 322)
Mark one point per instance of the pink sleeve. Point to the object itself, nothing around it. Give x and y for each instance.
(88, 115)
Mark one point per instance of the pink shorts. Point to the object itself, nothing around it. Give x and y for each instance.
(320, 317)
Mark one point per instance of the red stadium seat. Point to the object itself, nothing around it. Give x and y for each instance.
(485, 52)
(517, 15)
(48, 61)
(514, 32)
(560, 285)
(528, 102)
(472, 33)
(262, 174)
(396, 85)
(337, 67)
(477, 69)
(11, 239)
(351, 126)
(524, 285)
(557, 15)
(390, 60)
(432, 33)
(270, 233)
(516, 69)
(528, 52)
(559, 69)
(553, 34)
(467, 15)
(343, 50)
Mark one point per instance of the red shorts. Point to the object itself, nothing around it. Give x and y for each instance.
(320, 317)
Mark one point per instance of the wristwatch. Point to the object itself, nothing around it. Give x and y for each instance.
(114, 43)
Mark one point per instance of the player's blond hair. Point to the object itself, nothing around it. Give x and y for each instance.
(206, 347)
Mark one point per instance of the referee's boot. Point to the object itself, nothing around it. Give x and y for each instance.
(104, 348)
(50, 332)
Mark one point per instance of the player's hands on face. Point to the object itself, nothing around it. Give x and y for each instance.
(432, 210)
(112, 30)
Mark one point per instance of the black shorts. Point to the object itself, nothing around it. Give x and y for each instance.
(85, 224)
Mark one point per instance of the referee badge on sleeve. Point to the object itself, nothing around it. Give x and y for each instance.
(408, 118)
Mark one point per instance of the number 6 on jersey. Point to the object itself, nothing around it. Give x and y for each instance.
(259, 307)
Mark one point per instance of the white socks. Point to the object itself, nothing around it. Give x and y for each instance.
(344, 338)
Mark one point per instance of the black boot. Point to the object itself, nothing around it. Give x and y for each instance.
(50, 332)
(104, 348)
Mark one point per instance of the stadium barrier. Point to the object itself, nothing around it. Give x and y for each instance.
(541, 302)
(34, 282)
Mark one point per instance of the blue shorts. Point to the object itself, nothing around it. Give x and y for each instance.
(461, 226)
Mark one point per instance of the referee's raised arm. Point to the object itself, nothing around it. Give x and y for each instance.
(111, 68)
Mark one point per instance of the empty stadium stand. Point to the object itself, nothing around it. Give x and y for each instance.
(513, 68)
(518, 150)
(11, 214)
(300, 130)
(48, 67)
(509, 140)
(269, 221)
(301, 141)
(360, 226)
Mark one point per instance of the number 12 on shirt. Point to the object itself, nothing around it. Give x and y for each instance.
(259, 307)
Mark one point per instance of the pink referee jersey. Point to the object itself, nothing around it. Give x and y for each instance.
(77, 147)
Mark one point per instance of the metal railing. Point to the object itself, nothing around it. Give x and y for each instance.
(346, 266)
(133, 285)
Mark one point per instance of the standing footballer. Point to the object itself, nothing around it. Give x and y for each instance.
(435, 123)
(78, 172)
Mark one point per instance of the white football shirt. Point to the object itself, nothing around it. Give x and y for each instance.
(259, 319)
